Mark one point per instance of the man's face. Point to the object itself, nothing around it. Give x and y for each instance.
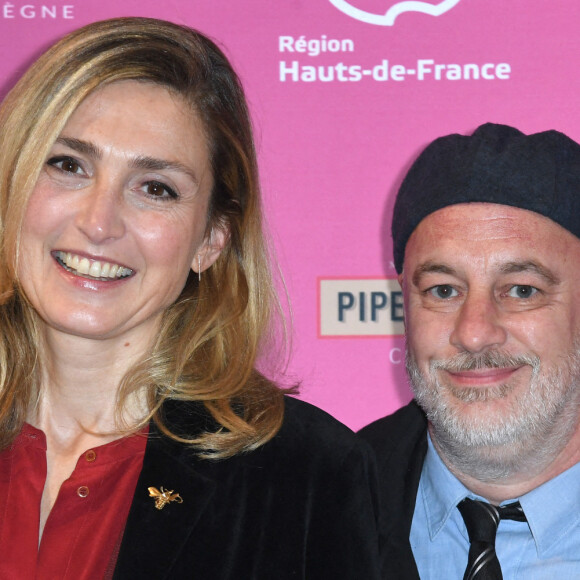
(492, 305)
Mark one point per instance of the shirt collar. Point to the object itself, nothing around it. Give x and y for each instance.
(440, 490)
(551, 509)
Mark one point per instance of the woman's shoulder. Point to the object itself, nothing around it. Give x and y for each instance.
(310, 433)
(304, 420)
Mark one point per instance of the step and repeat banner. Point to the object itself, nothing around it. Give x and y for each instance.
(344, 94)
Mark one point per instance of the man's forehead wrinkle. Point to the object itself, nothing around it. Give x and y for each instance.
(456, 224)
(500, 228)
(484, 228)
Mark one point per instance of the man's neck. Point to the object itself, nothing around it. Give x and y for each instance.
(532, 470)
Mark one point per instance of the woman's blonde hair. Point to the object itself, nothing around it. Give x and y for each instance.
(210, 338)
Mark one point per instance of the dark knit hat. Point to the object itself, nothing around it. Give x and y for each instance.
(497, 164)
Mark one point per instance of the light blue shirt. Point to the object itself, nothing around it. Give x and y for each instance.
(546, 547)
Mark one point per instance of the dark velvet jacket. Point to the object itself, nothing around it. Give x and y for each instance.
(303, 506)
(400, 445)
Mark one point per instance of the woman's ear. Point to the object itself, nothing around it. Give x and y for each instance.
(210, 249)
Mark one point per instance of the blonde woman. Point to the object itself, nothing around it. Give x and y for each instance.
(138, 440)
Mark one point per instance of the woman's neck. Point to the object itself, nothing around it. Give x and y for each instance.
(80, 382)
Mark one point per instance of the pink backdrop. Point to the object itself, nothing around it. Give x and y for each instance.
(341, 106)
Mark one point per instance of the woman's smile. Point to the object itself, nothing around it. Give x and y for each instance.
(93, 269)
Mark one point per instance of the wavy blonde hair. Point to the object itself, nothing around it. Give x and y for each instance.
(210, 338)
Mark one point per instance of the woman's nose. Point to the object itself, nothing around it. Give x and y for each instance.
(99, 216)
(478, 326)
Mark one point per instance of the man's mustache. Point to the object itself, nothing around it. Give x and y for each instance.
(492, 359)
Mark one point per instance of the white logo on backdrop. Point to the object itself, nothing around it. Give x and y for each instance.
(388, 19)
(360, 307)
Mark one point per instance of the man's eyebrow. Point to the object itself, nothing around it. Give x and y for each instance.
(533, 267)
(431, 267)
(85, 147)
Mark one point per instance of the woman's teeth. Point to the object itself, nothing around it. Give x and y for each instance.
(91, 268)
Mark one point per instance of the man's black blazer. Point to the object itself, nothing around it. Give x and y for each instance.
(303, 506)
(400, 444)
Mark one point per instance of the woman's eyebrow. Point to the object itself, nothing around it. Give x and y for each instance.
(154, 164)
(139, 162)
(85, 147)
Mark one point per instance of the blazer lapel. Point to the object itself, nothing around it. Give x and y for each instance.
(154, 537)
(409, 455)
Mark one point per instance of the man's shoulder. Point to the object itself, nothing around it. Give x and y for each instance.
(407, 424)
(399, 442)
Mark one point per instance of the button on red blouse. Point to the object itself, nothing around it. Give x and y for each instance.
(84, 528)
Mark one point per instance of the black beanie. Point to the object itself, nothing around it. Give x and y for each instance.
(497, 164)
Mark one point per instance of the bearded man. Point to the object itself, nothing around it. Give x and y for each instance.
(480, 473)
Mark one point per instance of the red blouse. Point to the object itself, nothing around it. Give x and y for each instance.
(84, 529)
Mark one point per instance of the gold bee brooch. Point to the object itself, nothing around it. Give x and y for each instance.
(163, 497)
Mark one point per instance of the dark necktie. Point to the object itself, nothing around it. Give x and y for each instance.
(481, 520)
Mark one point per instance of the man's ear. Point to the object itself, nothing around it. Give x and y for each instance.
(210, 249)
(400, 280)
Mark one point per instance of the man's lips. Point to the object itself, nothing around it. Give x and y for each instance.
(482, 377)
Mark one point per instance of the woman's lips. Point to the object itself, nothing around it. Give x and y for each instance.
(84, 267)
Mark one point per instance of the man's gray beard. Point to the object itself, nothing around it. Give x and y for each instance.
(526, 438)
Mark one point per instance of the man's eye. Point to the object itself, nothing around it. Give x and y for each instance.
(443, 291)
(66, 164)
(522, 291)
(159, 190)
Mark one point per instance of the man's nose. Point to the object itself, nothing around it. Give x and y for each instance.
(478, 326)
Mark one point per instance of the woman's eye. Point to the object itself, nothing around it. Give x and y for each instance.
(159, 190)
(522, 291)
(443, 291)
(66, 164)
